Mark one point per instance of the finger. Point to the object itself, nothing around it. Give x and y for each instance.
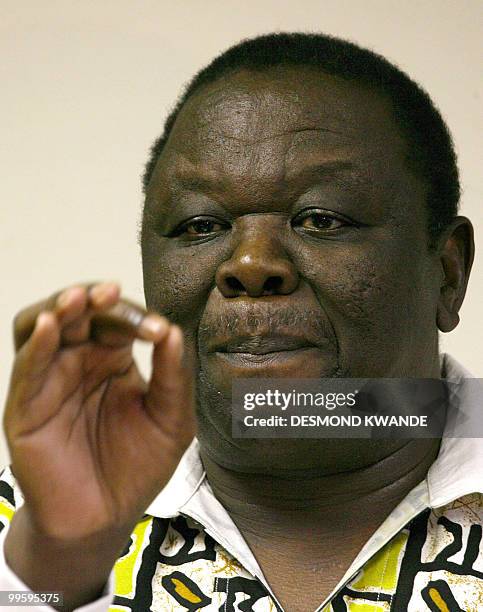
(67, 304)
(75, 307)
(102, 295)
(25, 320)
(93, 312)
(169, 400)
(99, 314)
(70, 304)
(34, 358)
(71, 309)
(110, 320)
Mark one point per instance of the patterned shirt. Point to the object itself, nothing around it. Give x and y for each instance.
(186, 554)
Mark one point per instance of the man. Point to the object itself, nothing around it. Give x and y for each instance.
(300, 221)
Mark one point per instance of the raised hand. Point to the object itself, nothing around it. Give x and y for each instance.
(91, 442)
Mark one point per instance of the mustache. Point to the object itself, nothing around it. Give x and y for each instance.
(265, 319)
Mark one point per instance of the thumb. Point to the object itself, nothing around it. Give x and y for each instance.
(170, 398)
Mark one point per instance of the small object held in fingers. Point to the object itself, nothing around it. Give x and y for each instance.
(122, 315)
(127, 319)
(133, 317)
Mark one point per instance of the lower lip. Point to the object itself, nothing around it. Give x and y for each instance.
(275, 360)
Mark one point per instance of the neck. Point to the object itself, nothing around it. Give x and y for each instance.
(266, 506)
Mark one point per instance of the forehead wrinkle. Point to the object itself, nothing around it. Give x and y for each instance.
(230, 189)
(294, 131)
(253, 177)
(284, 183)
(234, 113)
(338, 172)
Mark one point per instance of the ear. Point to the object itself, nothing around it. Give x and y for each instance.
(456, 253)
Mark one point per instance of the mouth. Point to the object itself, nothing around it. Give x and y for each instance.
(272, 359)
(261, 345)
(279, 354)
(267, 354)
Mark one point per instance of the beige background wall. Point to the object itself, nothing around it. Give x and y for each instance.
(86, 84)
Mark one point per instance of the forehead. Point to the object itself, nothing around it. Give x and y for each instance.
(255, 130)
(250, 107)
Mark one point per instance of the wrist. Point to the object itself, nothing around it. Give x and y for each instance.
(79, 568)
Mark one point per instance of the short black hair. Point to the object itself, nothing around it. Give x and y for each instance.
(431, 153)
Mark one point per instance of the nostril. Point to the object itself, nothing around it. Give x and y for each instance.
(272, 284)
(234, 284)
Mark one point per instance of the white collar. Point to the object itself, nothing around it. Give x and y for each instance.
(458, 469)
(183, 484)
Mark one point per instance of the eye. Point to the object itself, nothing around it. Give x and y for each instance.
(320, 221)
(199, 226)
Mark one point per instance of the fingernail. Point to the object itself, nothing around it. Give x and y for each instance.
(153, 324)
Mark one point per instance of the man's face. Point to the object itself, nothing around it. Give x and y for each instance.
(286, 235)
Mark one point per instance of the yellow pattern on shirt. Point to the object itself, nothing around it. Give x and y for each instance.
(125, 569)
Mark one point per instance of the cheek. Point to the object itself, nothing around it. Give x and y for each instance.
(178, 281)
(371, 295)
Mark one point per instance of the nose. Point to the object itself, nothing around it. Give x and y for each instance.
(258, 265)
